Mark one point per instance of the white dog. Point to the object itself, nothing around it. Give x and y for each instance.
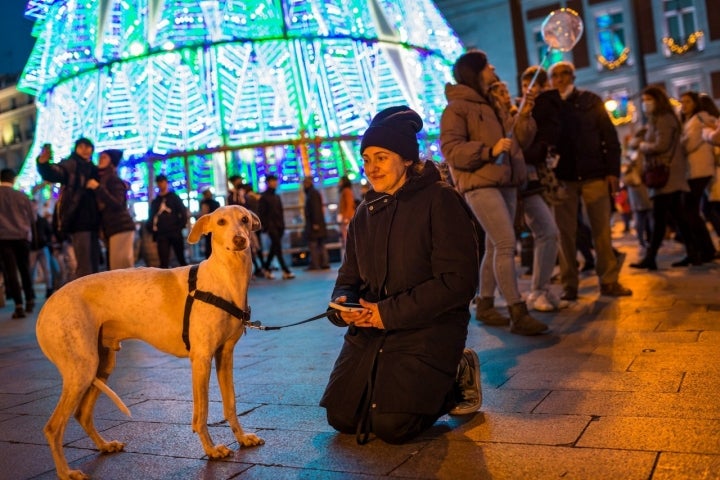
(81, 326)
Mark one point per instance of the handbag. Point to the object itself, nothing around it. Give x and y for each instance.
(656, 173)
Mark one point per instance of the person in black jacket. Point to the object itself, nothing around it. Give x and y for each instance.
(272, 218)
(40, 255)
(116, 223)
(412, 264)
(168, 217)
(78, 215)
(315, 227)
(208, 204)
(589, 165)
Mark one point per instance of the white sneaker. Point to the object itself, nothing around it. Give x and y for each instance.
(557, 301)
(541, 302)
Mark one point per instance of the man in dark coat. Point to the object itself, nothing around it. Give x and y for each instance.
(315, 227)
(590, 166)
(78, 215)
(168, 217)
(272, 218)
(412, 264)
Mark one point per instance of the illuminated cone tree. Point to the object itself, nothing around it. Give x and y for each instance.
(201, 90)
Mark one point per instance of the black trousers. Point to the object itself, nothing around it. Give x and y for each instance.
(15, 259)
(275, 251)
(177, 243)
(394, 428)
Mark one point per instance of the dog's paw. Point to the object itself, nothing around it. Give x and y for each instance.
(111, 447)
(218, 451)
(250, 440)
(77, 475)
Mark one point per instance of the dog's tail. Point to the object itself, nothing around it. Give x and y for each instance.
(103, 387)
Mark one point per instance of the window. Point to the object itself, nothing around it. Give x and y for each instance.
(612, 49)
(679, 19)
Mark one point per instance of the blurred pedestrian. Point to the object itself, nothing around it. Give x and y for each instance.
(208, 204)
(487, 168)
(662, 141)
(272, 218)
(16, 222)
(116, 224)
(168, 218)
(346, 208)
(77, 215)
(40, 255)
(589, 165)
(315, 226)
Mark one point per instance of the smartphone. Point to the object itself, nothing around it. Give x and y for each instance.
(347, 307)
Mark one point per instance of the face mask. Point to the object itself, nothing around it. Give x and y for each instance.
(648, 107)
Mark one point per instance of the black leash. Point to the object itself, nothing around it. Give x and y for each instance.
(257, 325)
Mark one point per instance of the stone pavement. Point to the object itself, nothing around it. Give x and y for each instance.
(622, 389)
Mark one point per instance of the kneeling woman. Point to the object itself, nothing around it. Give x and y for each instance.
(411, 261)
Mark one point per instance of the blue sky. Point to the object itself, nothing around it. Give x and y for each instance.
(16, 42)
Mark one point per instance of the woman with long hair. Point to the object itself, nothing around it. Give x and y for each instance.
(487, 168)
(662, 141)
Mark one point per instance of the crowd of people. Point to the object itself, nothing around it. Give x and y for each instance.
(90, 225)
(425, 242)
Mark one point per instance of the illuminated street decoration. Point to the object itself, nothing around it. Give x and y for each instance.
(232, 87)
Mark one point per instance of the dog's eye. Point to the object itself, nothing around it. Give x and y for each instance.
(222, 221)
(245, 219)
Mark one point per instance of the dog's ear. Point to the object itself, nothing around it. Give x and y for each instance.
(256, 225)
(198, 229)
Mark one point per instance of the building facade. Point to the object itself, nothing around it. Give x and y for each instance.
(17, 123)
(626, 44)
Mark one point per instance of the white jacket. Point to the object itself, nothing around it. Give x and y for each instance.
(700, 154)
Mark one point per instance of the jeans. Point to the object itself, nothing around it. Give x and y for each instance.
(41, 258)
(540, 220)
(596, 198)
(643, 226)
(495, 210)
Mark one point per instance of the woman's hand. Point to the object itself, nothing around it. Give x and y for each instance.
(369, 316)
(528, 105)
(503, 145)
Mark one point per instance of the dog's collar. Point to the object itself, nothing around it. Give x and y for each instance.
(207, 297)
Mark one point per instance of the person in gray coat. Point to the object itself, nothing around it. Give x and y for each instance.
(411, 262)
(662, 141)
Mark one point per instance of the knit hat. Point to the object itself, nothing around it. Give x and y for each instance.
(395, 129)
(115, 156)
(84, 141)
(468, 66)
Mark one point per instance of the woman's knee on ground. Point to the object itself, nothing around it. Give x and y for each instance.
(340, 423)
(399, 427)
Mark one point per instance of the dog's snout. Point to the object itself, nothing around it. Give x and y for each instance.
(240, 242)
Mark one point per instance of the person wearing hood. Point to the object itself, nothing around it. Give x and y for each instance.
(77, 211)
(116, 223)
(488, 167)
(411, 263)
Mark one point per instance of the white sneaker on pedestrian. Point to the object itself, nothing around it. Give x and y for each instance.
(539, 301)
(557, 301)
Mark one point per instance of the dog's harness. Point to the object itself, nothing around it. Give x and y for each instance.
(207, 297)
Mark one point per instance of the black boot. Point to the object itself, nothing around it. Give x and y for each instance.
(647, 263)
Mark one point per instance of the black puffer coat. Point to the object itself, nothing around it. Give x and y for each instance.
(77, 206)
(414, 253)
(112, 203)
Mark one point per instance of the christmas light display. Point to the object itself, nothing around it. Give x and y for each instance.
(200, 90)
